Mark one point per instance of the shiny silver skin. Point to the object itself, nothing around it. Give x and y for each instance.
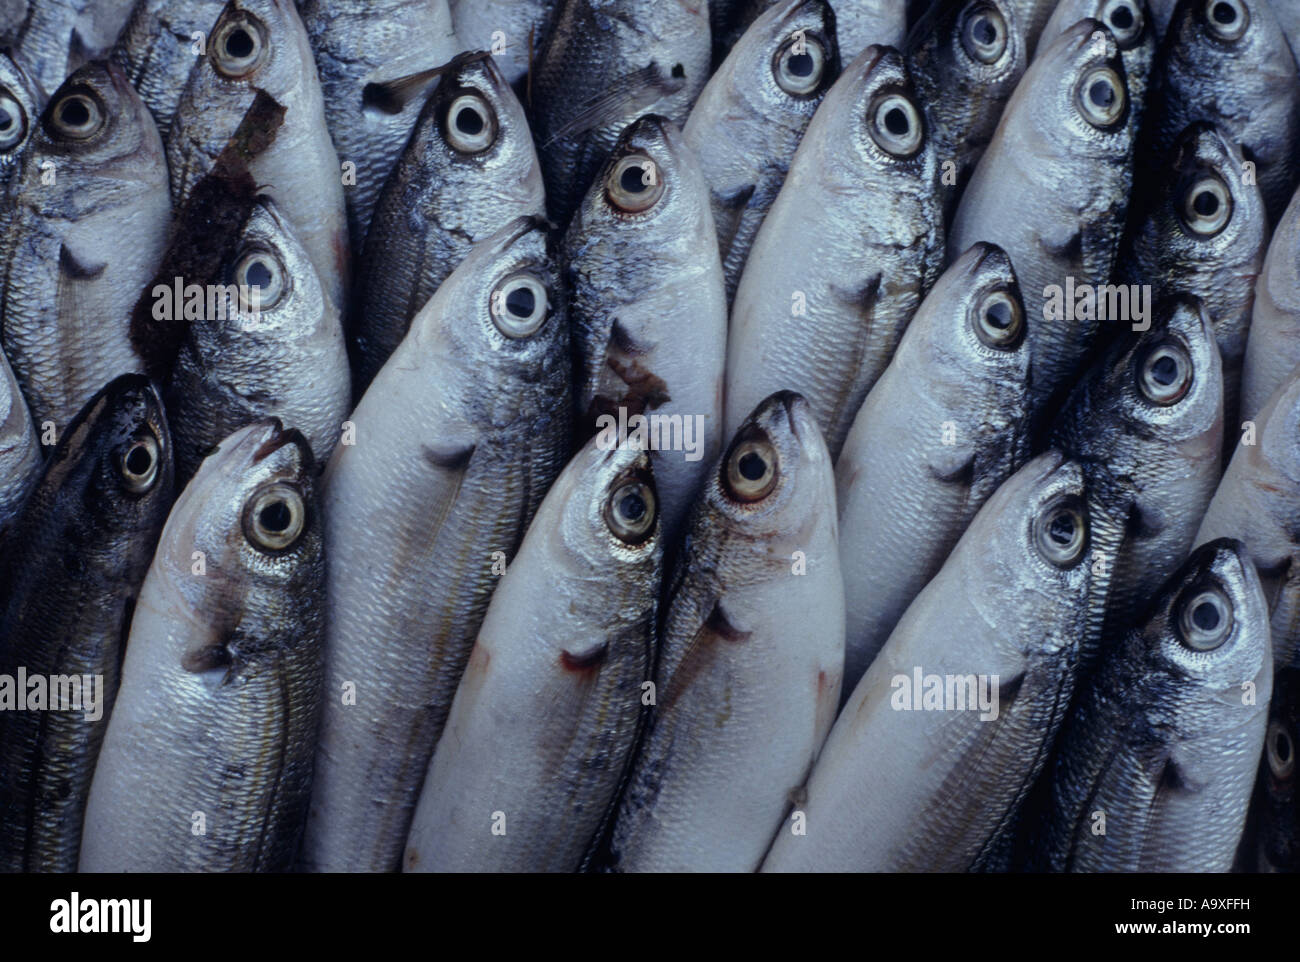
(648, 307)
(447, 192)
(864, 23)
(746, 124)
(87, 232)
(1130, 23)
(844, 257)
(938, 790)
(456, 442)
(285, 360)
(1273, 345)
(607, 63)
(1032, 17)
(945, 425)
(750, 657)
(57, 37)
(524, 25)
(20, 452)
(207, 762)
(75, 564)
(1165, 740)
(21, 102)
(1070, 180)
(1152, 456)
(372, 57)
(568, 643)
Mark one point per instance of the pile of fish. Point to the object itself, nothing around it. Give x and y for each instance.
(629, 435)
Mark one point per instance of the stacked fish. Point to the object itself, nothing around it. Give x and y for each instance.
(511, 435)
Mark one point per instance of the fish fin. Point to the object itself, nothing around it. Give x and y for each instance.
(79, 53)
(628, 94)
(207, 658)
(588, 661)
(450, 457)
(954, 464)
(719, 625)
(392, 96)
(737, 198)
(72, 267)
(1065, 246)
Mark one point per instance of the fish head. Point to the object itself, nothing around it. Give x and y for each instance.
(21, 100)
(254, 45)
(96, 123)
(977, 47)
(775, 480)
(791, 61)
(1129, 21)
(875, 103)
(1278, 796)
(1202, 33)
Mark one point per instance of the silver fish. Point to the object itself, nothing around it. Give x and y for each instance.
(60, 36)
(21, 102)
(515, 31)
(944, 426)
(207, 762)
(1273, 345)
(20, 454)
(87, 232)
(76, 562)
(649, 311)
(961, 705)
(1063, 150)
(846, 254)
(750, 117)
(454, 445)
(469, 169)
(376, 60)
(860, 24)
(567, 643)
(1161, 747)
(277, 353)
(750, 656)
(1129, 22)
(1276, 807)
(1031, 17)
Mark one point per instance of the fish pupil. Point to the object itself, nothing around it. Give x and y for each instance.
(999, 316)
(1206, 204)
(896, 121)
(985, 32)
(521, 302)
(1282, 747)
(1205, 616)
(1121, 18)
(1224, 14)
(631, 180)
(239, 44)
(632, 507)
(1101, 94)
(6, 119)
(800, 65)
(258, 275)
(1061, 530)
(74, 113)
(275, 517)
(139, 460)
(1164, 370)
(752, 466)
(469, 121)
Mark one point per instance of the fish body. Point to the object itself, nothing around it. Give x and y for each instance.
(1273, 344)
(521, 27)
(58, 37)
(864, 23)
(20, 452)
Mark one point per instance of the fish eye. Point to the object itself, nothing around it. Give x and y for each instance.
(1205, 619)
(1281, 750)
(999, 320)
(1101, 97)
(800, 65)
(751, 471)
(895, 125)
(634, 185)
(1061, 533)
(471, 124)
(1165, 373)
(1227, 19)
(137, 464)
(519, 305)
(275, 516)
(630, 512)
(260, 273)
(1124, 18)
(1207, 206)
(239, 46)
(13, 122)
(984, 33)
(77, 116)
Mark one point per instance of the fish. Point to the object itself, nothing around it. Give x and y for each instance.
(1273, 341)
(609, 62)
(1276, 807)
(1228, 62)
(1288, 16)
(1159, 754)
(860, 24)
(1063, 149)
(965, 60)
(21, 103)
(158, 49)
(567, 642)
(12, 15)
(259, 49)
(1129, 22)
(1204, 232)
(748, 121)
(377, 60)
(515, 31)
(452, 449)
(944, 427)
(75, 564)
(1147, 424)
(58, 37)
(1031, 18)
(469, 169)
(843, 259)
(928, 775)
(749, 660)
(1162, 11)
(88, 227)
(1257, 501)
(273, 347)
(648, 311)
(21, 456)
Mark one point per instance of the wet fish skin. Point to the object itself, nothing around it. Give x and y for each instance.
(444, 195)
(80, 249)
(362, 46)
(568, 642)
(287, 360)
(648, 307)
(870, 243)
(1032, 17)
(864, 23)
(750, 658)
(1163, 741)
(1273, 344)
(221, 686)
(633, 57)
(60, 36)
(75, 565)
(457, 440)
(1276, 807)
(525, 25)
(944, 427)
(1130, 23)
(21, 103)
(20, 453)
(746, 125)
(901, 790)
(1071, 179)
(1147, 423)
(1244, 80)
